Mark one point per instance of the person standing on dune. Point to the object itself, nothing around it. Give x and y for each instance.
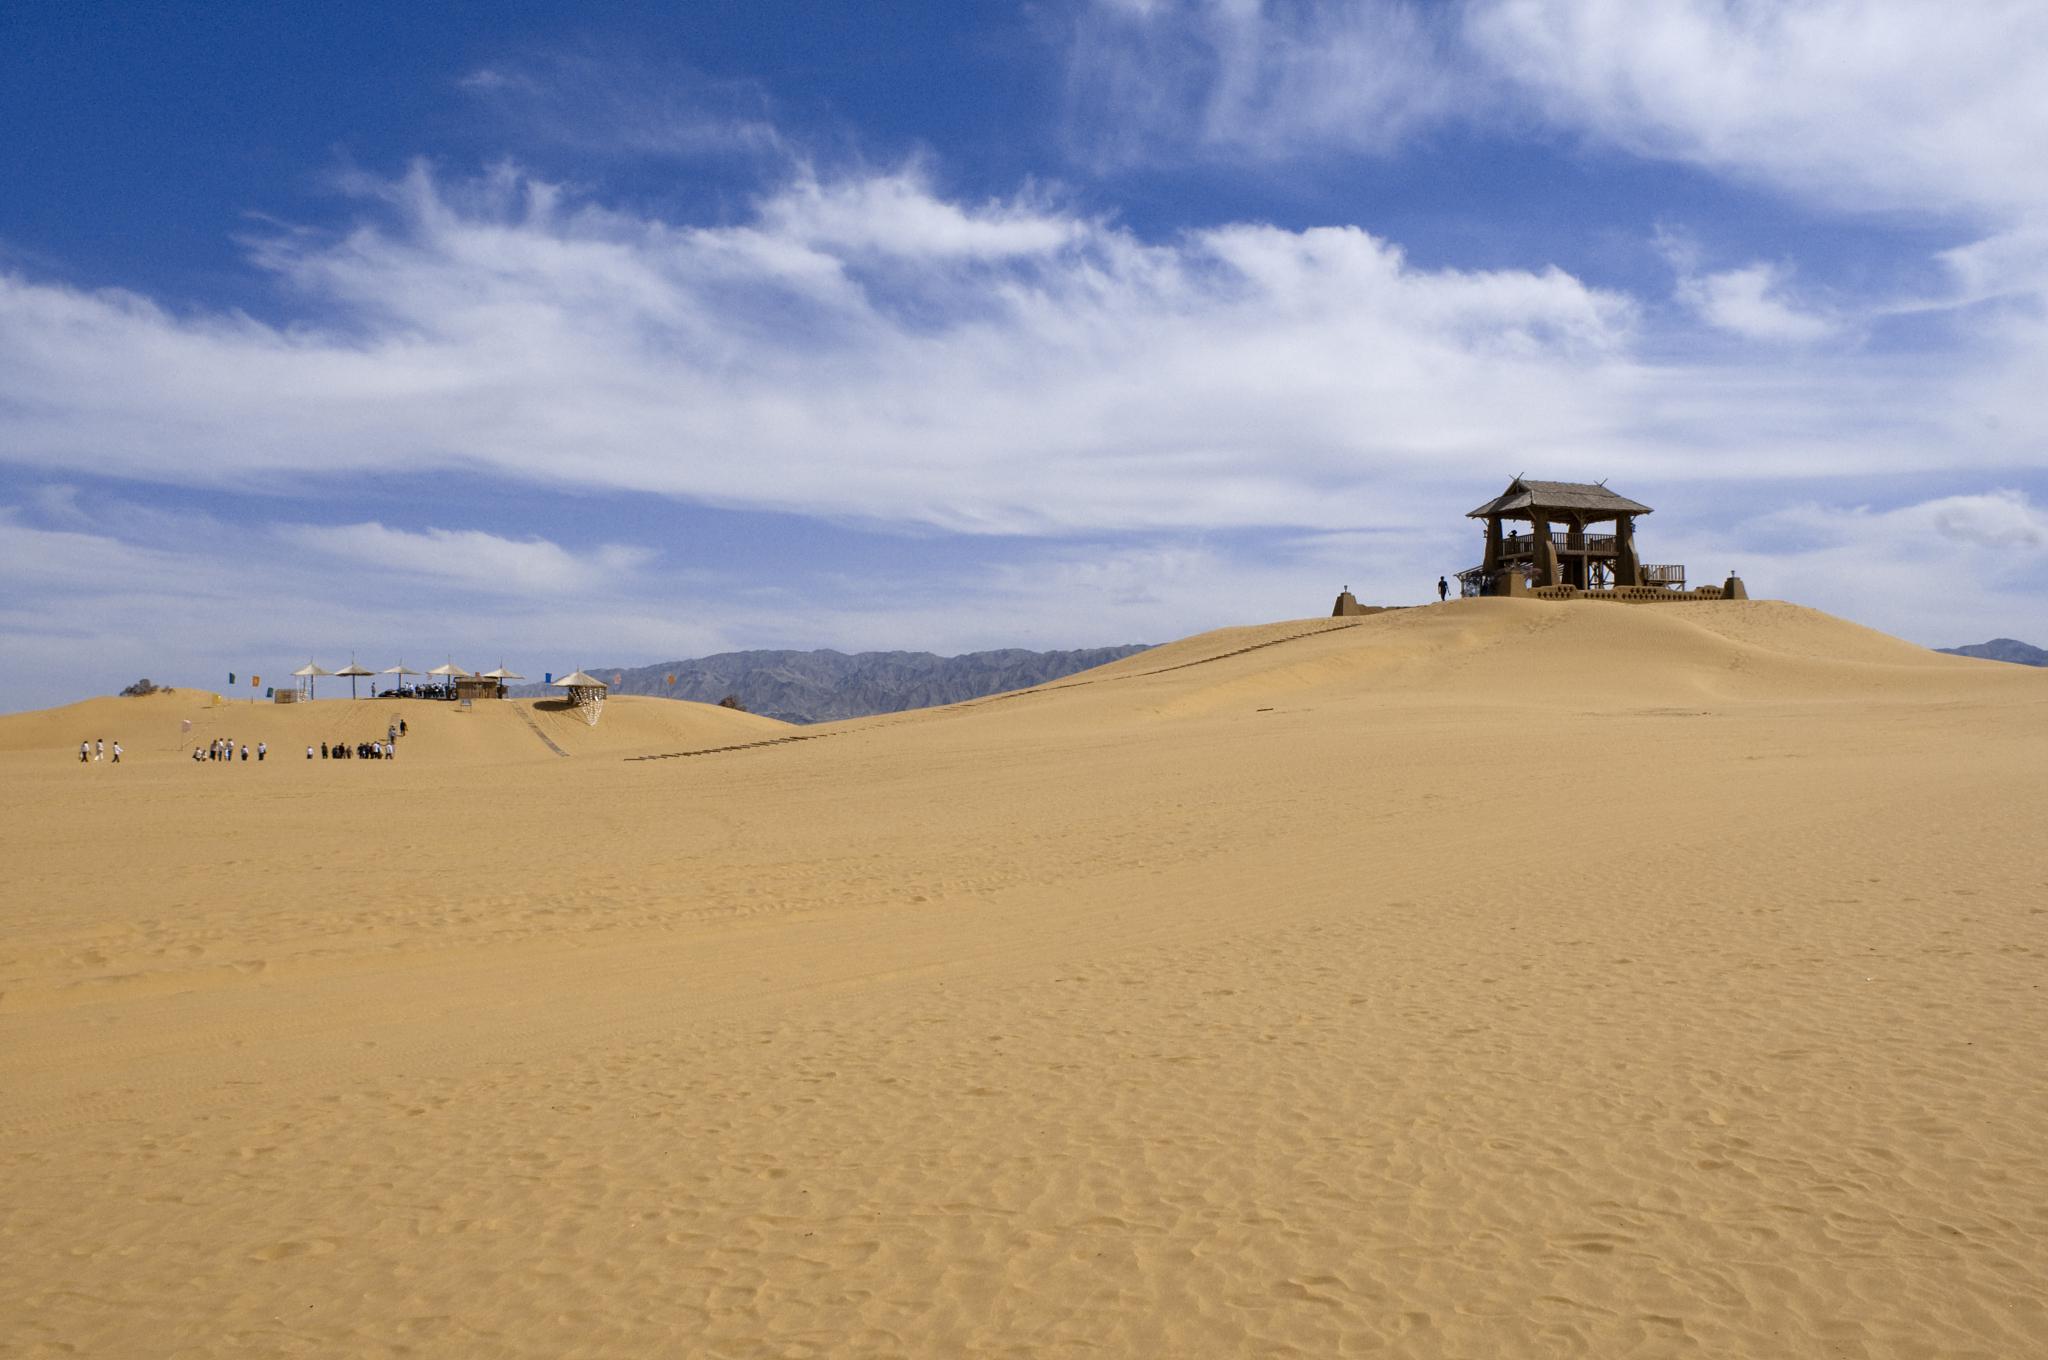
(1443, 590)
(117, 753)
(84, 752)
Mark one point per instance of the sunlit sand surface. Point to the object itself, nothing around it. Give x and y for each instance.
(1498, 979)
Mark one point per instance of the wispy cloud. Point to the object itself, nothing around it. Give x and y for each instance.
(1236, 78)
(1947, 570)
(1752, 302)
(473, 558)
(868, 348)
(1844, 102)
(615, 103)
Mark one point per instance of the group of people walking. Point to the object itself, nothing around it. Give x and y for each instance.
(224, 748)
(386, 749)
(227, 750)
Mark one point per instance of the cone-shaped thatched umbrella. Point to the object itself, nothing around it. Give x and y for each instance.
(308, 671)
(448, 672)
(586, 693)
(352, 670)
(401, 670)
(501, 675)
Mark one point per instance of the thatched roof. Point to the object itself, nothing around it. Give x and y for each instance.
(578, 680)
(1588, 500)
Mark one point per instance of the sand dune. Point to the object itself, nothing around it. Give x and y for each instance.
(167, 725)
(1503, 978)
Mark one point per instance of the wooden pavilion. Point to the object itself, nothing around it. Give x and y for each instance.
(1557, 549)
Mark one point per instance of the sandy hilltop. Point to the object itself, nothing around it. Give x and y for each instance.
(1494, 979)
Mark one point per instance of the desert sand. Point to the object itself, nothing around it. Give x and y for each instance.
(1494, 979)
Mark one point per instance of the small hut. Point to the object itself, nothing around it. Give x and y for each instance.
(586, 693)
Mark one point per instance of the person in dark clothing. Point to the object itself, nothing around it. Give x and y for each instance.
(1443, 590)
(323, 750)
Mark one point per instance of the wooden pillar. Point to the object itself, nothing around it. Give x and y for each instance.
(1540, 547)
(1492, 562)
(1628, 568)
(1575, 565)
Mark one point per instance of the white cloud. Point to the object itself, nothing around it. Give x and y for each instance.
(1236, 77)
(1004, 368)
(611, 102)
(1859, 103)
(868, 349)
(1944, 571)
(1750, 302)
(898, 215)
(2004, 520)
(1856, 103)
(472, 558)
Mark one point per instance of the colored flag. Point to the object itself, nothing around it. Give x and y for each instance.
(231, 677)
(254, 681)
(671, 682)
(618, 678)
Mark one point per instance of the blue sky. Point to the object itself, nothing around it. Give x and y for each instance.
(627, 332)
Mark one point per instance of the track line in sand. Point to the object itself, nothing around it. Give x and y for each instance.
(527, 718)
(995, 698)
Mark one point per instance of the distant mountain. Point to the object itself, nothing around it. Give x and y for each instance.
(2001, 649)
(810, 687)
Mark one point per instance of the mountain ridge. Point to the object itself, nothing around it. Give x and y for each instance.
(825, 685)
(2001, 649)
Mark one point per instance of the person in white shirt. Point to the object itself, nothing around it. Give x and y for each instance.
(117, 753)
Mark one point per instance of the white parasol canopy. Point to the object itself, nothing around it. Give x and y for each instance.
(308, 671)
(502, 674)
